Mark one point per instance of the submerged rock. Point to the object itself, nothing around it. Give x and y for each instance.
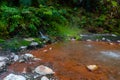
(110, 43)
(44, 78)
(43, 70)
(50, 48)
(92, 67)
(45, 51)
(14, 77)
(37, 59)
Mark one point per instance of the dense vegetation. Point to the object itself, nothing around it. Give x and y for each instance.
(58, 18)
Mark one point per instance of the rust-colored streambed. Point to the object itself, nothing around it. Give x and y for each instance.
(69, 60)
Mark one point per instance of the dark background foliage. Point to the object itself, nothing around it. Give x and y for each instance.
(28, 17)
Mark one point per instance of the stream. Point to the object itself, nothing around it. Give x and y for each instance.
(69, 60)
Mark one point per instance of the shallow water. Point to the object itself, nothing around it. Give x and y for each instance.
(69, 60)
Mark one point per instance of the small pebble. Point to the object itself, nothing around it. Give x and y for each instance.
(50, 48)
(103, 38)
(92, 67)
(111, 43)
(24, 70)
(118, 41)
(45, 51)
(89, 40)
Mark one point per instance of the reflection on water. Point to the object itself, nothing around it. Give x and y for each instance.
(111, 54)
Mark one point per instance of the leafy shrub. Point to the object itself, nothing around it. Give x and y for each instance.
(3, 30)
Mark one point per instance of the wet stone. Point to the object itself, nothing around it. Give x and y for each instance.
(5, 59)
(89, 40)
(29, 55)
(34, 44)
(43, 70)
(14, 57)
(44, 78)
(14, 77)
(92, 67)
(23, 47)
(2, 58)
(2, 66)
(26, 57)
(118, 41)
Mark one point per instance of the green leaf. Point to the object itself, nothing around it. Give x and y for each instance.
(32, 27)
(114, 3)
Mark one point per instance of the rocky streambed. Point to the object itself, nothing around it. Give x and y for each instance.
(90, 59)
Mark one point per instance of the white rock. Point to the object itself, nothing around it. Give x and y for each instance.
(89, 40)
(29, 55)
(21, 60)
(114, 35)
(118, 41)
(43, 70)
(50, 48)
(16, 58)
(35, 76)
(29, 39)
(26, 57)
(44, 78)
(2, 64)
(45, 51)
(73, 39)
(108, 40)
(14, 77)
(34, 44)
(37, 59)
(23, 47)
(110, 43)
(103, 38)
(2, 58)
(24, 70)
(92, 67)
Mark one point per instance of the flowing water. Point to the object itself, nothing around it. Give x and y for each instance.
(69, 60)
